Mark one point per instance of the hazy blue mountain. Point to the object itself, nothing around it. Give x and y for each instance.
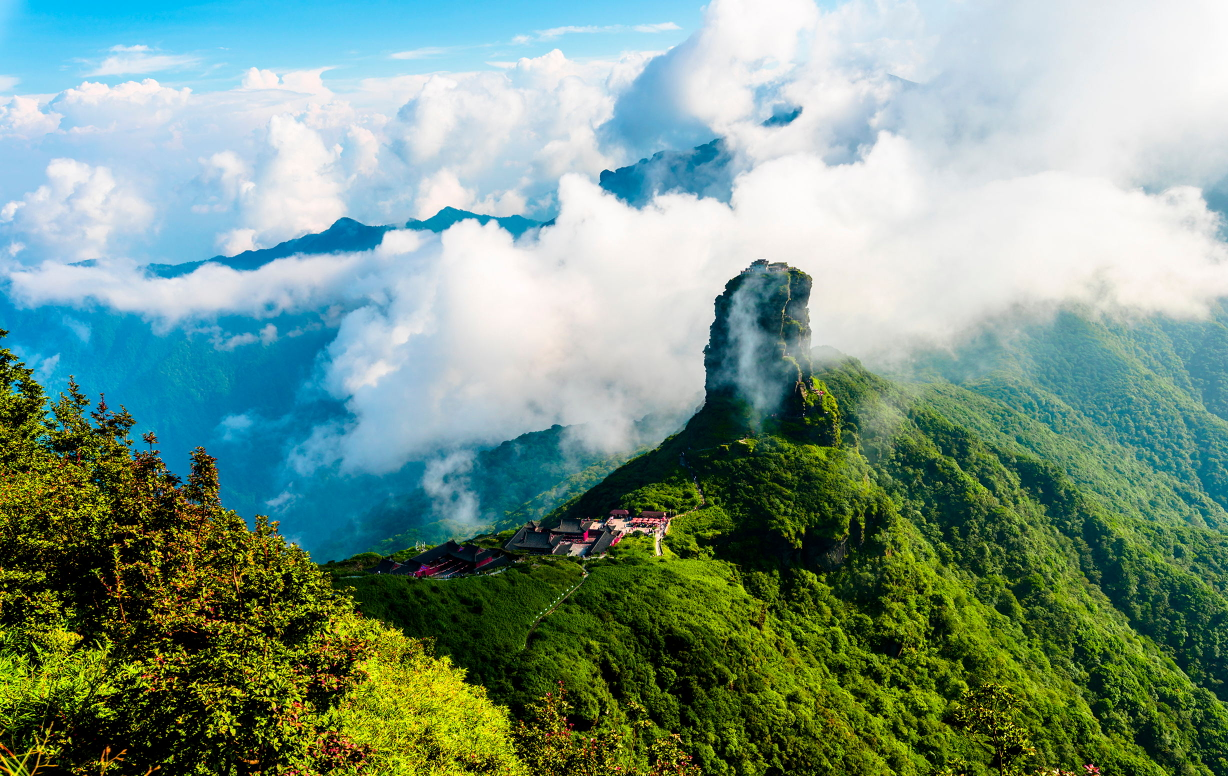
(703, 170)
(445, 218)
(344, 236)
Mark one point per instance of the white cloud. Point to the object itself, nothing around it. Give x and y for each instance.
(22, 117)
(505, 137)
(427, 52)
(139, 60)
(361, 153)
(441, 190)
(558, 32)
(715, 78)
(94, 106)
(306, 81)
(76, 213)
(302, 81)
(233, 427)
(228, 179)
(255, 78)
(79, 328)
(45, 368)
(506, 132)
(294, 187)
(446, 481)
(296, 190)
(288, 285)
(659, 27)
(237, 241)
(8, 83)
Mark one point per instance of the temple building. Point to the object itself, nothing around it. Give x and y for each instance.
(762, 265)
(445, 561)
(586, 537)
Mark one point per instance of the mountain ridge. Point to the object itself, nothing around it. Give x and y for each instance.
(344, 236)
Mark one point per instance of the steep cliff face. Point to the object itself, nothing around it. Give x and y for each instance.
(758, 354)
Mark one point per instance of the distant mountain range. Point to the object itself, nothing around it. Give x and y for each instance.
(344, 236)
(703, 171)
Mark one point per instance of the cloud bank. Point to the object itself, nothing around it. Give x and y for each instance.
(949, 163)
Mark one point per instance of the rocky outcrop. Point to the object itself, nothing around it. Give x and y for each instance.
(758, 353)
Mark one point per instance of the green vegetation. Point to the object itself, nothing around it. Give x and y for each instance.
(990, 713)
(143, 626)
(481, 622)
(551, 746)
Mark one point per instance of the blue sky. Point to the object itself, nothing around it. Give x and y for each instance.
(208, 45)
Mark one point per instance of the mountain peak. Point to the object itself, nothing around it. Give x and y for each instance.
(758, 354)
(447, 216)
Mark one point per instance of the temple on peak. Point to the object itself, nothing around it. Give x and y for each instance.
(762, 265)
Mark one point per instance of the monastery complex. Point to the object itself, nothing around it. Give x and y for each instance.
(579, 538)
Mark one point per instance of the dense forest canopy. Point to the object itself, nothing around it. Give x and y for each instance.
(142, 625)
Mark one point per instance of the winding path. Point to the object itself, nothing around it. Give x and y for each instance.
(703, 500)
(555, 605)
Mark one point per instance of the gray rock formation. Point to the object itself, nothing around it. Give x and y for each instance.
(758, 353)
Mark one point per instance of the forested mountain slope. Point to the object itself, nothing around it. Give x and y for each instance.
(853, 554)
(1153, 389)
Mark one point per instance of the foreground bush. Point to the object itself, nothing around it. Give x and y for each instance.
(142, 625)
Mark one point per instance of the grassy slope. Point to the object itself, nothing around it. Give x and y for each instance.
(480, 622)
(1161, 504)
